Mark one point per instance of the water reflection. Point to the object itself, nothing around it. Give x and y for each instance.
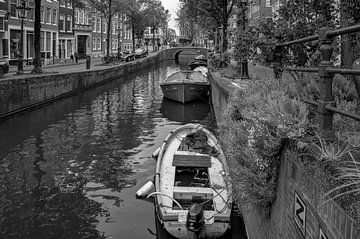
(71, 168)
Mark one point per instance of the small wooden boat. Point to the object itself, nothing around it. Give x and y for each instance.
(193, 191)
(185, 86)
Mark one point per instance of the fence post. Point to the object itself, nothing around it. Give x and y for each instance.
(325, 86)
(277, 62)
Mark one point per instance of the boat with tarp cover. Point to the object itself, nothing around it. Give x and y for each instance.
(185, 86)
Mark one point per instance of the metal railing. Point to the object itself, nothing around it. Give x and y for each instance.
(326, 103)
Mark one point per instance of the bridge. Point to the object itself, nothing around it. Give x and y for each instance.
(173, 53)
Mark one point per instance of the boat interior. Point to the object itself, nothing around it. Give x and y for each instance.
(192, 182)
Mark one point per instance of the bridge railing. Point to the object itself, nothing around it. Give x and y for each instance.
(326, 71)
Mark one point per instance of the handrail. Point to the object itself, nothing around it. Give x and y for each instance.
(343, 31)
(343, 71)
(325, 105)
(302, 69)
(301, 40)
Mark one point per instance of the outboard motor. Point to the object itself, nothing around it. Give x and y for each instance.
(195, 218)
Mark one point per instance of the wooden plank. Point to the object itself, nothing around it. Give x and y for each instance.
(191, 160)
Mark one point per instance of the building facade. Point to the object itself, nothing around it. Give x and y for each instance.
(65, 31)
(259, 11)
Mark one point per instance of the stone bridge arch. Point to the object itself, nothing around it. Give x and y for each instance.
(173, 53)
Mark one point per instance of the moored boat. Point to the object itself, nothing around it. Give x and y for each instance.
(196, 63)
(185, 86)
(193, 191)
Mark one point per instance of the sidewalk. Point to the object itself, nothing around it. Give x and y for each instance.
(95, 64)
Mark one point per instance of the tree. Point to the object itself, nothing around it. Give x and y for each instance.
(155, 15)
(350, 44)
(37, 29)
(134, 9)
(303, 18)
(107, 8)
(217, 12)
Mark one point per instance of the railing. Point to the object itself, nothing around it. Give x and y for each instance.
(326, 104)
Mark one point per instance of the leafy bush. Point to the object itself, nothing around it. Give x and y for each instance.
(258, 122)
(267, 116)
(219, 60)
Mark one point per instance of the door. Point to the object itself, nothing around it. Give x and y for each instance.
(82, 46)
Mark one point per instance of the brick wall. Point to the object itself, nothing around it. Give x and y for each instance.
(297, 189)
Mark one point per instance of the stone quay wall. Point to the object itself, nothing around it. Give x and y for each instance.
(298, 211)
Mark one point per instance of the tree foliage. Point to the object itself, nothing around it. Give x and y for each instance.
(209, 15)
(155, 14)
(107, 9)
(297, 19)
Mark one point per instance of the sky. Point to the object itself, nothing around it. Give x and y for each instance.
(172, 6)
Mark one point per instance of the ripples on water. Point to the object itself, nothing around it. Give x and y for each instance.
(71, 168)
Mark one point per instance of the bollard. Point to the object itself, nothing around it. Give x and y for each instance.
(244, 69)
(88, 61)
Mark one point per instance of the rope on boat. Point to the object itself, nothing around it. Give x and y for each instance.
(163, 194)
(201, 98)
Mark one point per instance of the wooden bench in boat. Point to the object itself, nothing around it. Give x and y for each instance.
(188, 159)
(190, 192)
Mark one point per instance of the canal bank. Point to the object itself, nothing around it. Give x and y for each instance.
(25, 92)
(19, 93)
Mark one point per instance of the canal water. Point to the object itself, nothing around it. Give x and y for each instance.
(71, 168)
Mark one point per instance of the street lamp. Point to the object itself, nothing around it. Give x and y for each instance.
(22, 11)
(244, 60)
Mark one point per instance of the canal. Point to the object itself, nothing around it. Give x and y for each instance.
(71, 168)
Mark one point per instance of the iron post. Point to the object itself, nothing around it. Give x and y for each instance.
(325, 86)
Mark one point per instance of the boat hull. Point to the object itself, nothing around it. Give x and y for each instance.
(175, 166)
(186, 92)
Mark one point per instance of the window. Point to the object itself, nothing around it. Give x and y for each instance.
(76, 15)
(68, 4)
(48, 15)
(48, 41)
(41, 41)
(88, 20)
(42, 14)
(62, 22)
(81, 17)
(31, 12)
(68, 23)
(13, 4)
(94, 24)
(62, 3)
(54, 17)
(94, 43)
(268, 3)
(2, 26)
(99, 43)
(104, 26)
(98, 24)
